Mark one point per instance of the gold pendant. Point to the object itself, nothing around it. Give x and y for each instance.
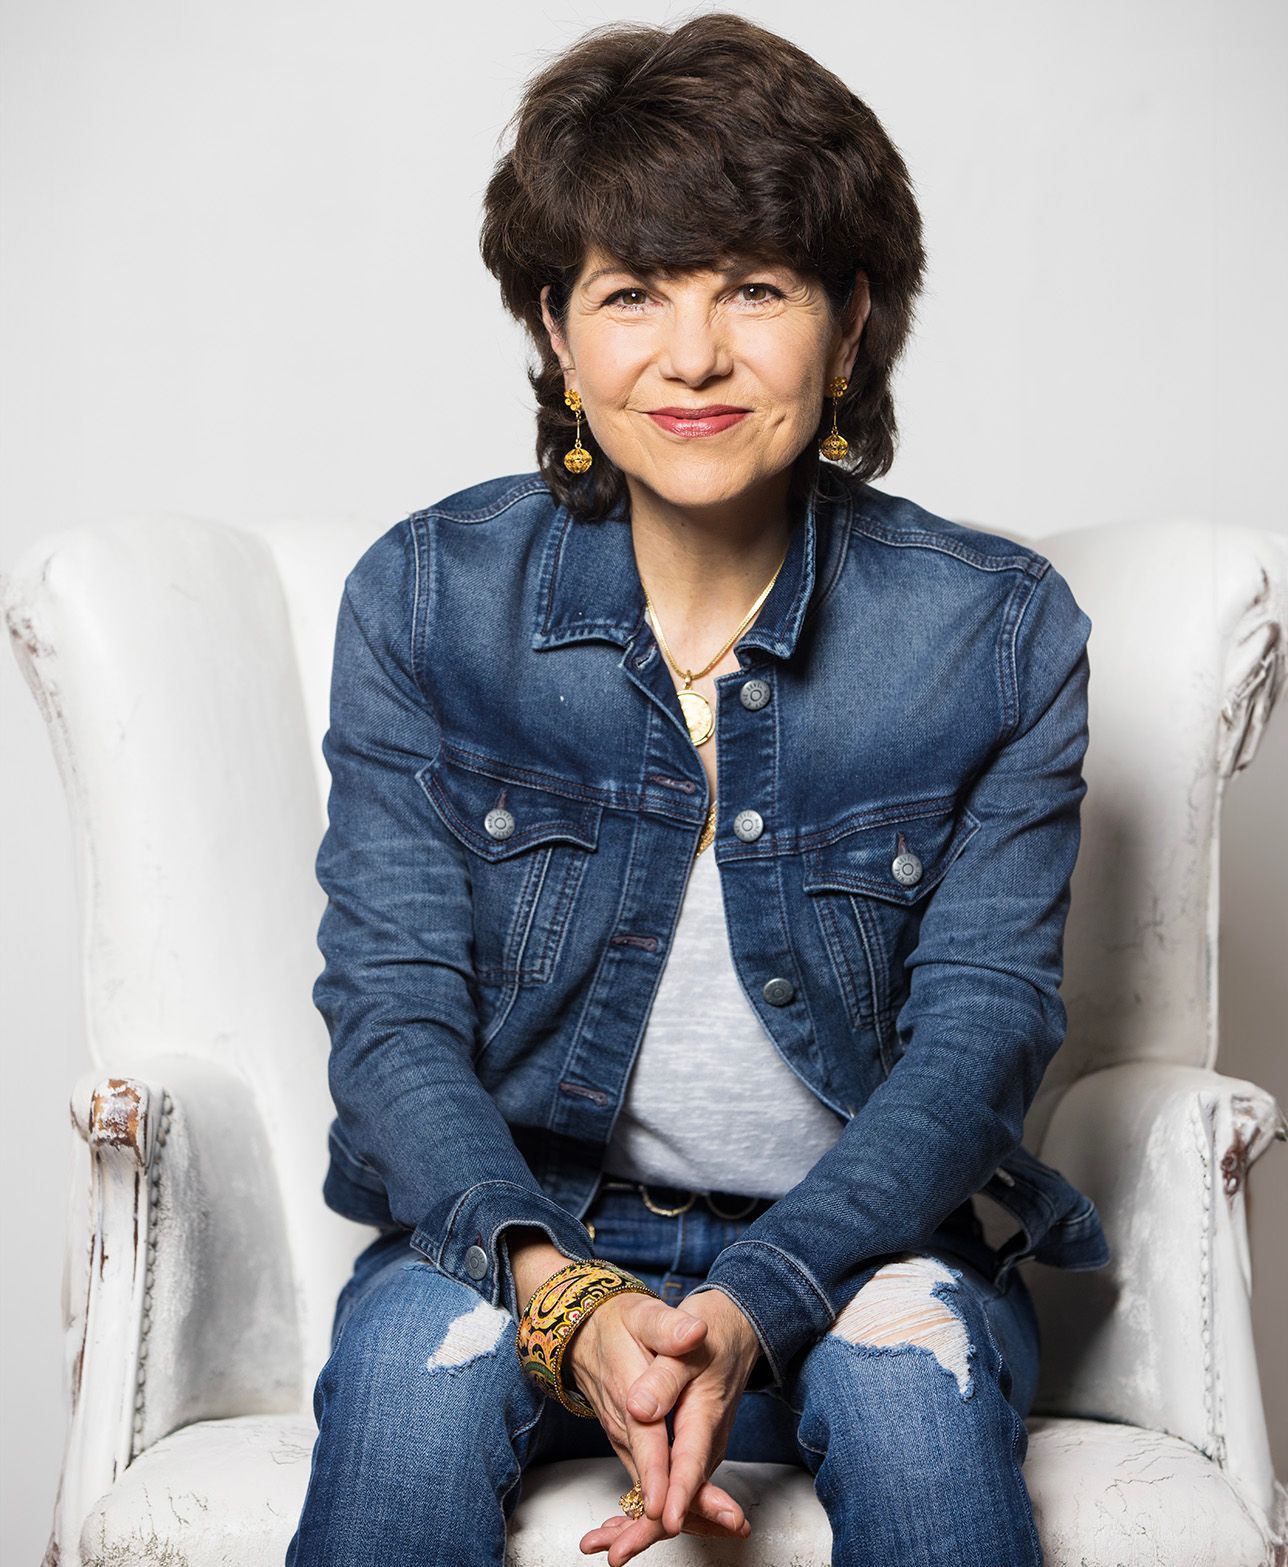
(697, 715)
(578, 459)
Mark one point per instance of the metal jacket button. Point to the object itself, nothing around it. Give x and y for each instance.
(498, 823)
(476, 1262)
(906, 868)
(778, 992)
(754, 694)
(749, 825)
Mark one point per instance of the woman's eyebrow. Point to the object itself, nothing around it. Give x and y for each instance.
(609, 271)
(734, 270)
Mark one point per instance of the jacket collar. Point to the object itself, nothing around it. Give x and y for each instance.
(589, 586)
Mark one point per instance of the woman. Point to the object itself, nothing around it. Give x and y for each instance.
(615, 1028)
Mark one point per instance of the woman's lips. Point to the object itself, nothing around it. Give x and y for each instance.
(706, 424)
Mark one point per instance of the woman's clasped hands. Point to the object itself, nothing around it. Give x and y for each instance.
(638, 1360)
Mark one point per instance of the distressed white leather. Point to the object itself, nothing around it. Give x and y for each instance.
(1102, 1493)
(183, 665)
(1188, 657)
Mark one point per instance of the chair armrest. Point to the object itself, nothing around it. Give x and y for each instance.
(1162, 1337)
(184, 1299)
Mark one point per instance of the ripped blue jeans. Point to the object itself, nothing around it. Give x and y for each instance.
(909, 1413)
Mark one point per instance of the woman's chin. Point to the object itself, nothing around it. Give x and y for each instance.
(695, 485)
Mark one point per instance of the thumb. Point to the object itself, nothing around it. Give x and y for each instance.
(674, 1331)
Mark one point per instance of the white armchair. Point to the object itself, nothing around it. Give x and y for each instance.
(183, 666)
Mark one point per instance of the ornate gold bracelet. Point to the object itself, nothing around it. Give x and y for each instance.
(557, 1309)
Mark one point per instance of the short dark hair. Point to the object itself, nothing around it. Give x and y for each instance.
(680, 149)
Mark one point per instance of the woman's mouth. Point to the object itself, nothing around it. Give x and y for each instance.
(690, 422)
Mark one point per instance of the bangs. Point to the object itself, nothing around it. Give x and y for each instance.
(661, 192)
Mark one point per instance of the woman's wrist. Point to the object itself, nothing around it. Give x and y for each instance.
(736, 1325)
(533, 1258)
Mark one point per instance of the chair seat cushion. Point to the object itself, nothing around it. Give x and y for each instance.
(1112, 1493)
(228, 1493)
(218, 1493)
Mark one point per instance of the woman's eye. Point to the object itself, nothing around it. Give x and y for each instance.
(621, 294)
(767, 288)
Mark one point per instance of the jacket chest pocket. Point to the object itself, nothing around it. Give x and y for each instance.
(869, 885)
(530, 838)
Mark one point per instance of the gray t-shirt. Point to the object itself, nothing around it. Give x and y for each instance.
(710, 1104)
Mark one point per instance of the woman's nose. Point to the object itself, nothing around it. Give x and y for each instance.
(694, 349)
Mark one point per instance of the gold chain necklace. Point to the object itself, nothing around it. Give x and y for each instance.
(698, 716)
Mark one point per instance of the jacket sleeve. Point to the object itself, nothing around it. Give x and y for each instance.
(981, 1021)
(396, 936)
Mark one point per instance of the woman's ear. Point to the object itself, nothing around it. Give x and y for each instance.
(857, 310)
(557, 342)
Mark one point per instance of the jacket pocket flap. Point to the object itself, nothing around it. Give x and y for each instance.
(498, 809)
(899, 857)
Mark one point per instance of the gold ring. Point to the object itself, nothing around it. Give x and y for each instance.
(632, 1503)
(669, 1213)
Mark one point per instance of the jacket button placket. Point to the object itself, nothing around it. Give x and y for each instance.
(748, 752)
(611, 1024)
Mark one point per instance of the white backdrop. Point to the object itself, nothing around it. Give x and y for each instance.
(239, 278)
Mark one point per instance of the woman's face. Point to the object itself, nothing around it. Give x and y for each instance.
(759, 339)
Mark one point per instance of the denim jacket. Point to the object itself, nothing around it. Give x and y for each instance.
(514, 807)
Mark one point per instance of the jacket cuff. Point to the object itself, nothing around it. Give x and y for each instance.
(783, 1302)
(463, 1236)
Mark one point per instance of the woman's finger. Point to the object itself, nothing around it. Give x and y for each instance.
(670, 1330)
(712, 1502)
(610, 1351)
(672, 1334)
(654, 1392)
(712, 1505)
(637, 1534)
(650, 1448)
(696, 1451)
(715, 1513)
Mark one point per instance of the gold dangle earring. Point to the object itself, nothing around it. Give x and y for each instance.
(578, 459)
(834, 445)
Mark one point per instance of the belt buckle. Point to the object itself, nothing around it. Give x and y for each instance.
(751, 1203)
(669, 1213)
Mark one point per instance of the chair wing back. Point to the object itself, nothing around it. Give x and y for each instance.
(187, 730)
(1188, 653)
(312, 561)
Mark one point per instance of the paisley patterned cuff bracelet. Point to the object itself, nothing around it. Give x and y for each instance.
(557, 1309)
